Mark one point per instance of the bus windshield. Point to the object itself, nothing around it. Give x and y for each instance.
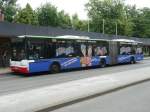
(18, 51)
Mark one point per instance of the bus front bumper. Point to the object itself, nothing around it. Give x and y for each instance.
(19, 69)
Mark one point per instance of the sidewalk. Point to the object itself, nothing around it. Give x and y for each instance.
(146, 58)
(4, 70)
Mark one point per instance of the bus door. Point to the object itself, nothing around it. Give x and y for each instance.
(113, 52)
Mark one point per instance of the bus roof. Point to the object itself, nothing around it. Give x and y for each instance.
(71, 37)
(126, 40)
(33, 36)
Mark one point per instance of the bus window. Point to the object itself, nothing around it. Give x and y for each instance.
(122, 50)
(60, 50)
(18, 51)
(139, 50)
(77, 50)
(89, 51)
(100, 51)
(125, 50)
(50, 50)
(83, 49)
(101, 48)
(69, 51)
(128, 50)
(104, 50)
(133, 50)
(36, 51)
(97, 51)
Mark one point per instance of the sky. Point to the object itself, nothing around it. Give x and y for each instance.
(76, 6)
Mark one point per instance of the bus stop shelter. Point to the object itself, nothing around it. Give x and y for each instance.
(4, 51)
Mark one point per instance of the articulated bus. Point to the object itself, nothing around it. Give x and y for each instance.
(33, 54)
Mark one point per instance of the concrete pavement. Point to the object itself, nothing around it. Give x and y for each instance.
(131, 99)
(38, 99)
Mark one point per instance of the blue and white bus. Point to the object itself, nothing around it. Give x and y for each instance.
(32, 54)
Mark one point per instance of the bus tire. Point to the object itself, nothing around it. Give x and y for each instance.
(132, 61)
(102, 63)
(55, 68)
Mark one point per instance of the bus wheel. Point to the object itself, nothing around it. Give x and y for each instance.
(55, 68)
(103, 63)
(132, 61)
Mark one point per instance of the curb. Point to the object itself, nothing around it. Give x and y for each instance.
(148, 58)
(4, 71)
(52, 96)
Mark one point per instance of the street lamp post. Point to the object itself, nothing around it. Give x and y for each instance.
(88, 25)
(116, 29)
(103, 26)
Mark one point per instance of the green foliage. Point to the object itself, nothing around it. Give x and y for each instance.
(130, 21)
(64, 20)
(9, 8)
(26, 16)
(142, 23)
(47, 15)
(78, 24)
(8, 1)
(112, 11)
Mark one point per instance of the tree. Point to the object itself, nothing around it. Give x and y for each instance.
(9, 8)
(75, 21)
(142, 23)
(64, 20)
(47, 15)
(113, 12)
(26, 16)
(78, 24)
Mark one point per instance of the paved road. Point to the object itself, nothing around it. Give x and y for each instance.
(132, 99)
(10, 83)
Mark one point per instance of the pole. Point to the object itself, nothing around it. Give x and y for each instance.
(72, 24)
(88, 25)
(116, 29)
(103, 26)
